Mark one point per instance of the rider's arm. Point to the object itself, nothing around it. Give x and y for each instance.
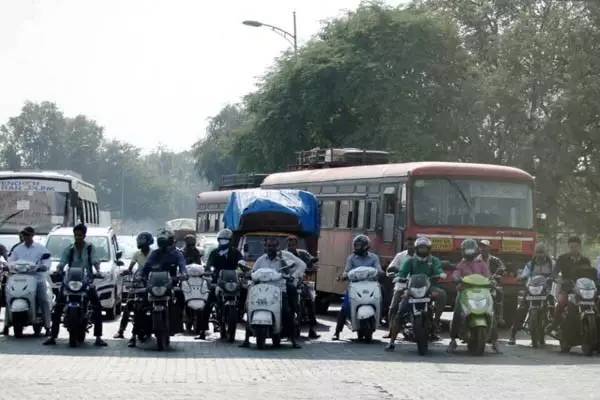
(64, 259)
(405, 269)
(299, 266)
(458, 272)
(394, 265)
(12, 257)
(181, 262)
(94, 258)
(438, 271)
(526, 271)
(557, 267)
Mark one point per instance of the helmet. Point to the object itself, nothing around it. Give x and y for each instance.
(224, 234)
(165, 238)
(144, 239)
(361, 244)
(190, 240)
(469, 248)
(422, 247)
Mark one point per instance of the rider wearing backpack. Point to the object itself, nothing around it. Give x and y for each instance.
(80, 254)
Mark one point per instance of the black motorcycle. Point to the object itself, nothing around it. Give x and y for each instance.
(228, 294)
(419, 325)
(540, 306)
(580, 319)
(77, 313)
(160, 291)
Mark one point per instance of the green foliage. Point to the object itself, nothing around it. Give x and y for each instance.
(161, 185)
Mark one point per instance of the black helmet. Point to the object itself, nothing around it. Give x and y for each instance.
(190, 240)
(144, 239)
(361, 244)
(165, 238)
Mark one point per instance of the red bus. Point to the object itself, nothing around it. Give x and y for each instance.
(447, 202)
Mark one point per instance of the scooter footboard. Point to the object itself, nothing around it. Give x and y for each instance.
(261, 317)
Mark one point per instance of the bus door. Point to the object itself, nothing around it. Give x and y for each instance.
(394, 214)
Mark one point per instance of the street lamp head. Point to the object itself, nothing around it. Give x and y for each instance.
(255, 24)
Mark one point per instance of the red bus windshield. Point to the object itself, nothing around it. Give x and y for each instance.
(469, 202)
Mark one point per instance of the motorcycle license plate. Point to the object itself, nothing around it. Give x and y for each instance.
(535, 298)
(587, 303)
(423, 300)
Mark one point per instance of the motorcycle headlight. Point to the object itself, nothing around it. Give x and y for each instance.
(418, 292)
(535, 290)
(230, 286)
(75, 285)
(478, 304)
(159, 291)
(587, 294)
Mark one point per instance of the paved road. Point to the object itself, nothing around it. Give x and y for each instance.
(322, 369)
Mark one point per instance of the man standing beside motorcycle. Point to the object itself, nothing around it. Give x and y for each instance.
(168, 258)
(309, 260)
(144, 241)
(32, 252)
(541, 264)
(392, 270)
(423, 262)
(361, 257)
(79, 255)
(571, 266)
(469, 265)
(293, 266)
(496, 266)
(224, 257)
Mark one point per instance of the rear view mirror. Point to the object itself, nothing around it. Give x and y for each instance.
(45, 256)
(119, 254)
(120, 263)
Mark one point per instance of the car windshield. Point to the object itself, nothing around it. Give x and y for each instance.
(254, 245)
(451, 202)
(57, 244)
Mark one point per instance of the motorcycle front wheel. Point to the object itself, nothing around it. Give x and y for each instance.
(232, 319)
(536, 327)
(476, 343)
(261, 336)
(588, 335)
(421, 334)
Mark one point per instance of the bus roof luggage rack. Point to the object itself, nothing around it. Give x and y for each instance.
(241, 181)
(332, 157)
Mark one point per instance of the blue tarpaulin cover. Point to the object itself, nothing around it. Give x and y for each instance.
(298, 203)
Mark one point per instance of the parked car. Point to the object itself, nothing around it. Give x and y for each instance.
(109, 254)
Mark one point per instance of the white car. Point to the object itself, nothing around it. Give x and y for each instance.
(107, 251)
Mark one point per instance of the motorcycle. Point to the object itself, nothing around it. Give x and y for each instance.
(477, 306)
(365, 301)
(580, 324)
(265, 306)
(22, 308)
(136, 301)
(228, 294)
(160, 288)
(307, 295)
(195, 291)
(540, 308)
(419, 327)
(77, 313)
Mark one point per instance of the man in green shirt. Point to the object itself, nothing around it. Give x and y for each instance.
(80, 254)
(422, 263)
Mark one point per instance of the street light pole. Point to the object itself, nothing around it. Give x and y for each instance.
(292, 38)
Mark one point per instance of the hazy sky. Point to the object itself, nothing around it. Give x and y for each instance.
(149, 71)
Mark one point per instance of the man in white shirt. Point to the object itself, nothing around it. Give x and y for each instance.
(277, 260)
(30, 251)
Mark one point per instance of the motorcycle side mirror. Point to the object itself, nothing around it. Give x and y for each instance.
(45, 256)
(120, 263)
(315, 259)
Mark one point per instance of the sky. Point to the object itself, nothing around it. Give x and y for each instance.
(150, 71)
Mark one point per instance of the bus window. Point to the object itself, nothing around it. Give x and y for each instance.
(328, 214)
(402, 213)
(218, 217)
(371, 219)
(389, 200)
(358, 214)
(86, 211)
(345, 217)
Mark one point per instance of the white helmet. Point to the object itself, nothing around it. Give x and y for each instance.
(224, 234)
(421, 242)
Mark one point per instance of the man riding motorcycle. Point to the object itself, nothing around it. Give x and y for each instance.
(541, 264)
(144, 241)
(277, 260)
(79, 255)
(190, 252)
(571, 266)
(421, 263)
(470, 264)
(292, 247)
(30, 251)
(361, 257)
(394, 268)
(224, 257)
(168, 258)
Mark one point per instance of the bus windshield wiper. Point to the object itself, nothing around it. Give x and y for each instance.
(11, 216)
(462, 194)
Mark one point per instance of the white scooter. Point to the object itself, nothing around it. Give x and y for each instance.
(264, 306)
(195, 291)
(22, 306)
(365, 301)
